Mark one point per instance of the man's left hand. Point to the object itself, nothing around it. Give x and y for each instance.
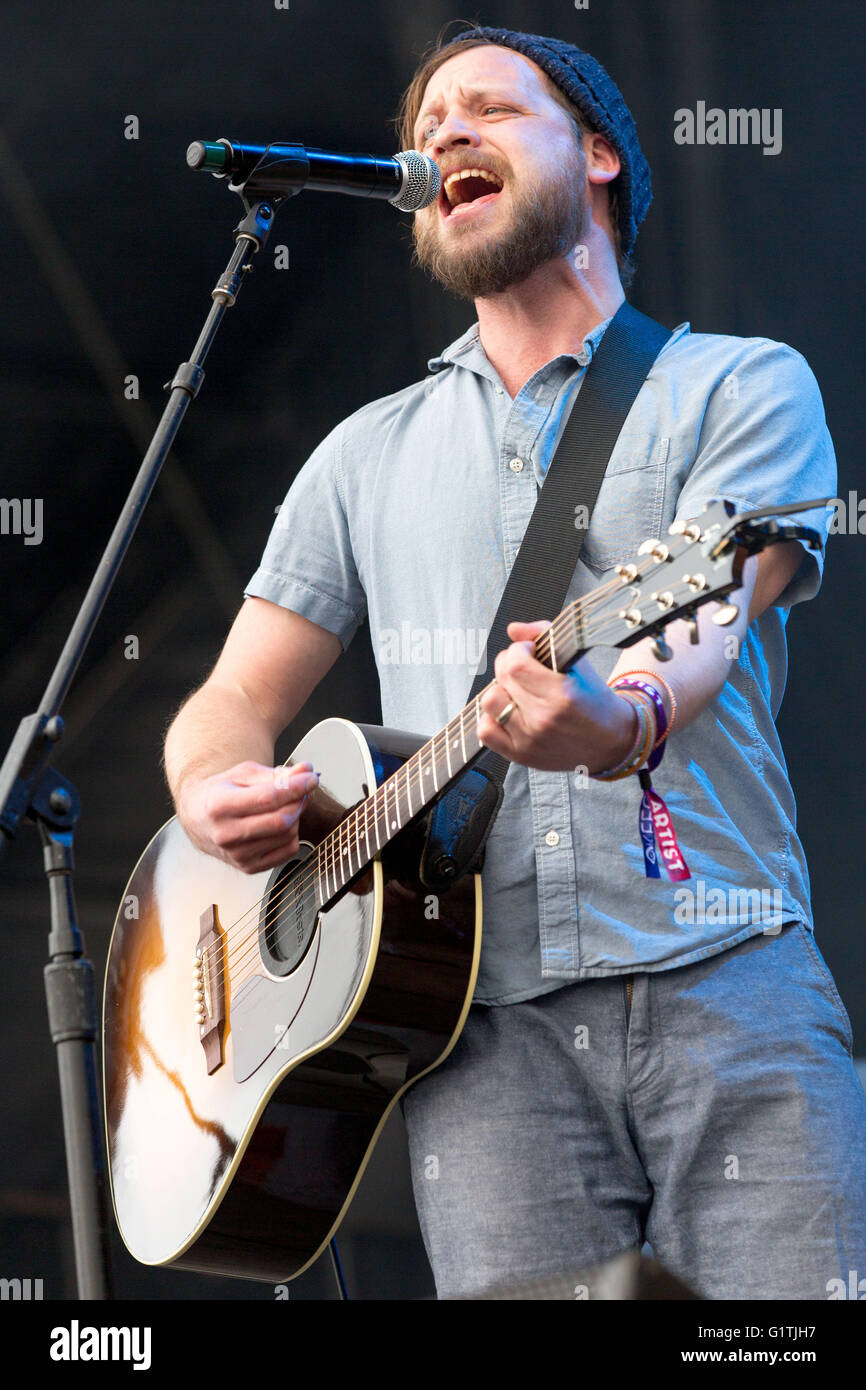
(561, 719)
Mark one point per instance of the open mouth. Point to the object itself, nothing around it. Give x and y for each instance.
(467, 189)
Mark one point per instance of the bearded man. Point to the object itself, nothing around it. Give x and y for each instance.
(628, 1070)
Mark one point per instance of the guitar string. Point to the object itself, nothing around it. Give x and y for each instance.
(301, 882)
(243, 949)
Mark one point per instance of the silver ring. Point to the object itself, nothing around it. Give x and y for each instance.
(506, 714)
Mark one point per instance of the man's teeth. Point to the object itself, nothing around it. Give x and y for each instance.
(454, 179)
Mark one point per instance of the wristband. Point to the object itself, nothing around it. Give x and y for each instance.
(651, 692)
(626, 676)
(655, 826)
(640, 750)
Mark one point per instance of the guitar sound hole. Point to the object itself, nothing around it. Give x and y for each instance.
(287, 920)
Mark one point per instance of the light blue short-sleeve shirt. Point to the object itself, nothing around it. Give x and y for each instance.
(410, 514)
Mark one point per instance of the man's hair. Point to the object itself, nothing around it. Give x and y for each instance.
(410, 105)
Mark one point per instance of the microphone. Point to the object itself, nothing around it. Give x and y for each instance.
(409, 180)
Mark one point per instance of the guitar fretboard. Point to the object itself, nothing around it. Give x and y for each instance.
(355, 842)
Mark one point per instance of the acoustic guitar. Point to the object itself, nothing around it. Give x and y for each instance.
(258, 1029)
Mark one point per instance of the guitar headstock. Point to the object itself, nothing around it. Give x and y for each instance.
(698, 561)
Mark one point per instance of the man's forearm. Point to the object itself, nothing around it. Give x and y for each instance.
(697, 673)
(216, 728)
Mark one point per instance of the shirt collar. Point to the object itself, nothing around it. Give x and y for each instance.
(466, 351)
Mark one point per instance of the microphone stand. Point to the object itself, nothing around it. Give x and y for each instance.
(31, 789)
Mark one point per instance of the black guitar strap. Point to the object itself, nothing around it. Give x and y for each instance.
(460, 821)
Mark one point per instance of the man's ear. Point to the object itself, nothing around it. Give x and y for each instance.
(602, 161)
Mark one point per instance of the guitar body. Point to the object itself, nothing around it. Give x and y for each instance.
(238, 1153)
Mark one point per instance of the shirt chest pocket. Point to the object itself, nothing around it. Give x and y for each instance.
(630, 501)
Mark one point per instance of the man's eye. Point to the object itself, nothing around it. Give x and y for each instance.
(428, 131)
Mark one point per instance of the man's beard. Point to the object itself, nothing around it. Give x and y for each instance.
(547, 222)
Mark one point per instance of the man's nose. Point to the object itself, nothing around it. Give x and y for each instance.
(454, 130)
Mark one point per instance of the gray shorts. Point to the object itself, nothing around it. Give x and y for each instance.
(719, 1117)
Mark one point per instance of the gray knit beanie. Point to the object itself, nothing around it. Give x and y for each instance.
(585, 82)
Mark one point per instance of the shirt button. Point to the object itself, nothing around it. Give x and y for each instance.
(500, 391)
(552, 839)
(516, 465)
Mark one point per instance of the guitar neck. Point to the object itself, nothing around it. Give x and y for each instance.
(373, 823)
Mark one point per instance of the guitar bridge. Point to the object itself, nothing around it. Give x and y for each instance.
(209, 989)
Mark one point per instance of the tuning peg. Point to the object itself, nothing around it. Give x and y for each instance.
(725, 613)
(656, 548)
(692, 623)
(660, 649)
(690, 530)
(631, 616)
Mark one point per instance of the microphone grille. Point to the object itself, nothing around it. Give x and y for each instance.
(421, 181)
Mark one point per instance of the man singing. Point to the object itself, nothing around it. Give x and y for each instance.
(644, 1059)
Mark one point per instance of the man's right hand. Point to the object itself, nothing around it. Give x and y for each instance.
(247, 816)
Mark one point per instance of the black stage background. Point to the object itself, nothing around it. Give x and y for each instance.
(110, 247)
